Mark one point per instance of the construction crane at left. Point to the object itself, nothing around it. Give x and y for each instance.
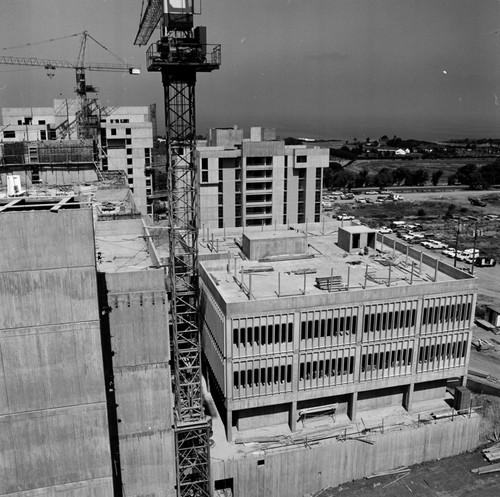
(87, 117)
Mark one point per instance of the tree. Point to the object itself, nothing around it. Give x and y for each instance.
(383, 178)
(361, 178)
(436, 176)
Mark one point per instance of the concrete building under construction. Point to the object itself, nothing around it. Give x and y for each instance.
(40, 146)
(307, 336)
(258, 181)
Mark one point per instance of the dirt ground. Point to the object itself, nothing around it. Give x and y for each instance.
(450, 477)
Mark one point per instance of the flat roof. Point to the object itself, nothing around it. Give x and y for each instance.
(269, 235)
(121, 246)
(288, 276)
(358, 229)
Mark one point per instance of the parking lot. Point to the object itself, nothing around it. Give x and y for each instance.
(466, 227)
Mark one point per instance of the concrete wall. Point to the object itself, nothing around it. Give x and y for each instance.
(300, 471)
(53, 419)
(140, 376)
(256, 247)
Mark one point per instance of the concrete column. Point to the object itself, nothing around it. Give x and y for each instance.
(352, 406)
(292, 421)
(229, 425)
(408, 396)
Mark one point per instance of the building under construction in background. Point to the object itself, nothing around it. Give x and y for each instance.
(41, 147)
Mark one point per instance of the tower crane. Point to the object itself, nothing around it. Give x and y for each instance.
(181, 53)
(85, 120)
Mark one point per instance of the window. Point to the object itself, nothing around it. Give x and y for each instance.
(130, 181)
(43, 135)
(301, 159)
(114, 143)
(113, 131)
(9, 134)
(130, 170)
(129, 141)
(129, 151)
(41, 121)
(204, 170)
(128, 131)
(129, 162)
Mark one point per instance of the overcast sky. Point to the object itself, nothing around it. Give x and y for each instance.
(316, 68)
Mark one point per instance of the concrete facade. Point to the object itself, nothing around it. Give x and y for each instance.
(381, 332)
(258, 181)
(53, 413)
(127, 145)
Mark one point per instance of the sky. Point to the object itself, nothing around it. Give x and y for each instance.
(328, 69)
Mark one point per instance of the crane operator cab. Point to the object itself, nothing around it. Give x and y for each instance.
(190, 46)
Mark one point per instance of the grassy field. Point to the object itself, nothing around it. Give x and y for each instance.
(447, 166)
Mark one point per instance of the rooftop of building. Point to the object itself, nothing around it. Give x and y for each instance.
(121, 246)
(323, 267)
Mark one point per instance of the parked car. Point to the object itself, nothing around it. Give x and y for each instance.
(408, 237)
(345, 217)
(485, 262)
(371, 192)
(430, 244)
(384, 230)
(450, 252)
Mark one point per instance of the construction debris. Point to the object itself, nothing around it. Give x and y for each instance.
(395, 471)
(492, 468)
(492, 454)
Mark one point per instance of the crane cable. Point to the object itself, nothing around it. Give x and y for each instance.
(40, 42)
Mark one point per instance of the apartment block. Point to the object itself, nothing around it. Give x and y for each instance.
(258, 181)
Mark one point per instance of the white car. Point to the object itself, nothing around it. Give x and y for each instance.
(439, 245)
(345, 217)
(430, 244)
(408, 237)
(384, 230)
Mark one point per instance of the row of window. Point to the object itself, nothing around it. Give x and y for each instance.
(389, 320)
(263, 335)
(323, 369)
(446, 313)
(386, 360)
(262, 376)
(326, 368)
(451, 350)
(328, 327)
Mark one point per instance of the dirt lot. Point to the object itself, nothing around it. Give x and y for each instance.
(450, 477)
(429, 209)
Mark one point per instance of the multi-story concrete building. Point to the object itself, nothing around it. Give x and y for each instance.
(319, 323)
(41, 146)
(258, 181)
(317, 327)
(85, 386)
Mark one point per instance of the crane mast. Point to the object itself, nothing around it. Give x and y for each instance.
(179, 55)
